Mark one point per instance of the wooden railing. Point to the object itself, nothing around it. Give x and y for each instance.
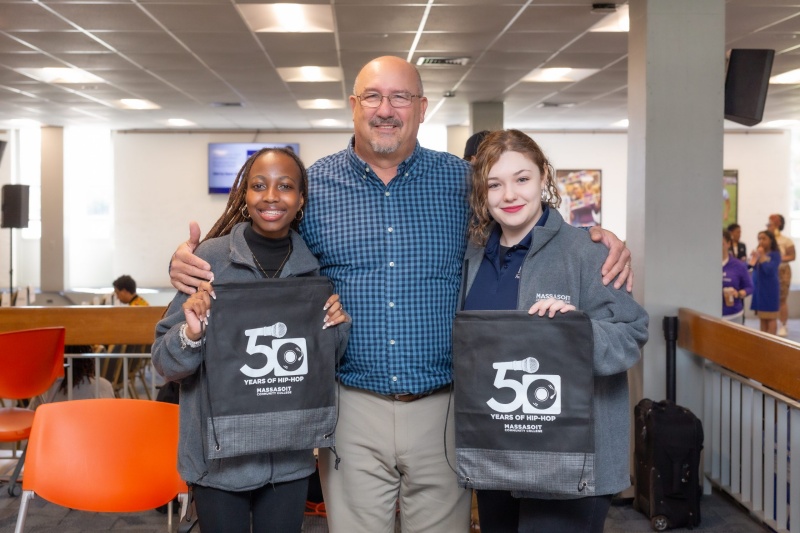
(89, 324)
(751, 415)
(768, 359)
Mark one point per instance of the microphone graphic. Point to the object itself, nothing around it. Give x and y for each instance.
(277, 330)
(529, 365)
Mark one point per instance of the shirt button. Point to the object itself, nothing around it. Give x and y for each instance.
(391, 304)
(391, 342)
(391, 263)
(394, 378)
(406, 174)
(390, 229)
(387, 193)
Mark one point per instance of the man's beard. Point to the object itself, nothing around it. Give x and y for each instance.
(385, 147)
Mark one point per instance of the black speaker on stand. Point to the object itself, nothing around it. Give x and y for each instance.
(15, 201)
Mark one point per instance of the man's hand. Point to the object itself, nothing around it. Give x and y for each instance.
(186, 270)
(618, 262)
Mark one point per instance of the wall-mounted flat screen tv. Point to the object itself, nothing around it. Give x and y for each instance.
(226, 159)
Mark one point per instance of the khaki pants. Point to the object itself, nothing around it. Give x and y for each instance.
(392, 450)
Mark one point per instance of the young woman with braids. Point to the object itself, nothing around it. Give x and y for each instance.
(254, 238)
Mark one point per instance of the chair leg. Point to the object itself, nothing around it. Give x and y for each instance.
(23, 510)
(13, 486)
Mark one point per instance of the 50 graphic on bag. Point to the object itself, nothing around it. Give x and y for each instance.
(534, 393)
(285, 357)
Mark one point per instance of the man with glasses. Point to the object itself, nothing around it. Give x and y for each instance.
(387, 220)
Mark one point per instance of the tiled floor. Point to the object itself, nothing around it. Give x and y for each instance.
(719, 515)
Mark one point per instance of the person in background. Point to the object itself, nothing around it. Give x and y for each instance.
(388, 222)
(786, 246)
(471, 148)
(522, 252)
(125, 291)
(764, 261)
(736, 282)
(738, 248)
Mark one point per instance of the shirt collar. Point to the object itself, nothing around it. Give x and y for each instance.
(493, 244)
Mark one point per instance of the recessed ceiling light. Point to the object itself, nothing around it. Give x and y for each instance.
(180, 122)
(328, 123)
(136, 103)
(549, 75)
(310, 74)
(621, 123)
(24, 122)
(321, 103)
(617, 21)
(60, 75)
(291, 18)
(793, 76)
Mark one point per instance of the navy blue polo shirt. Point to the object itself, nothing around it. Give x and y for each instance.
(496, 286)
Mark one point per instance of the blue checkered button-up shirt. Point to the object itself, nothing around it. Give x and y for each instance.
(394, 253)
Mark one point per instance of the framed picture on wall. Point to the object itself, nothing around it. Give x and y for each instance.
(730, 197)
(580, 192)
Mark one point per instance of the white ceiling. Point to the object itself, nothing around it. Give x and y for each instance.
(187, 55)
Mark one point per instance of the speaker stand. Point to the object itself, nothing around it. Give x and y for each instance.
(11, 262)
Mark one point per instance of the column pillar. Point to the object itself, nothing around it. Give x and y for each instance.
(675, 107)
(52, 243)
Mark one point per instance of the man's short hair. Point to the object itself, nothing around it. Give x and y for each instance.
(471, 148)
(733, 227)
(125, 283)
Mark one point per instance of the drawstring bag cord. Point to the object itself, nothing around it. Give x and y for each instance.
(446, 419)
(204, 379)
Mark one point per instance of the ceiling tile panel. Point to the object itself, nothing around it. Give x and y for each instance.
(103, 16)
(29, 16)
(566, 18)
(199, 18)
(470, 44)
(470, 18)
(138, 43)
(60, 41)
(373, 18)
(369, 42)
(546, 42)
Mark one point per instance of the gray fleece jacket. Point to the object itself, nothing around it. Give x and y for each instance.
(564, 261)
(231, 260)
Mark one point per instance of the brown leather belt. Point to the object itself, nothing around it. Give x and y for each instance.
(413, 397)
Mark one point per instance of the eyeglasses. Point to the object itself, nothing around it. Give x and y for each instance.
(395, 100)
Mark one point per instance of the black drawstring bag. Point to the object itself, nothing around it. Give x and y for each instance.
(523, 402)
(269, 367)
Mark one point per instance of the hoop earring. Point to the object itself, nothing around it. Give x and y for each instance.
(298, 219)
(244, 211)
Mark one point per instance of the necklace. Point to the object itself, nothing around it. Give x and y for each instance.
(278, 271)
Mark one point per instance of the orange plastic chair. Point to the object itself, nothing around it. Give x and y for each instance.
(30, 361)
(104, 455)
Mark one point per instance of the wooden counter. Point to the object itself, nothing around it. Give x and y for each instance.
(88, 324)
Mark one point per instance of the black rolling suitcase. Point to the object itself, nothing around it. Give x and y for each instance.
(668, 442)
